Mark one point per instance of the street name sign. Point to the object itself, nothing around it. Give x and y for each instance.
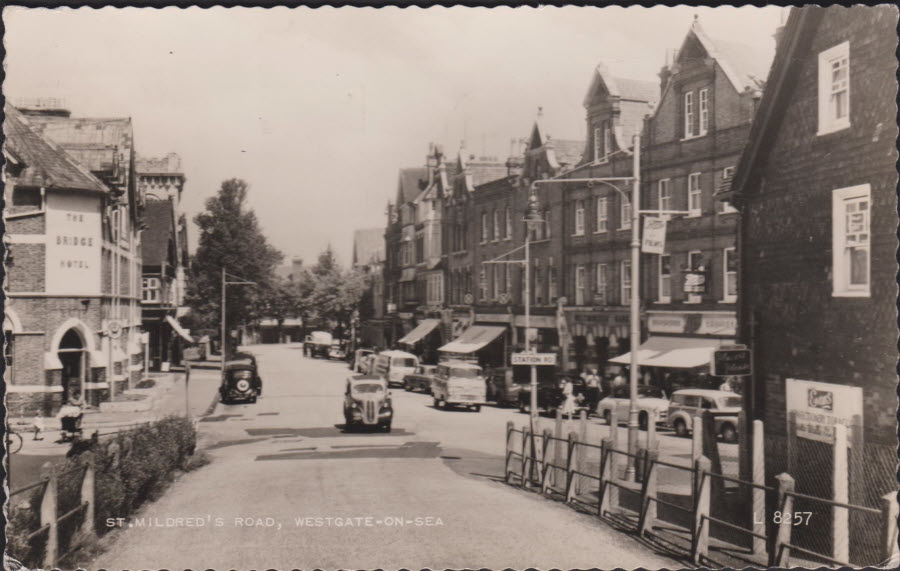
(534, 358)
(732, 360)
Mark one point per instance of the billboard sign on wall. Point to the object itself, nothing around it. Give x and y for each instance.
(818, 407)
(74, 244)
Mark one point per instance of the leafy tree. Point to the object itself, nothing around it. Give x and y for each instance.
(330, 294)
(230, 238)
(278, 301)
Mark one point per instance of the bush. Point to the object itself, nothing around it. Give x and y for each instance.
(130, 469)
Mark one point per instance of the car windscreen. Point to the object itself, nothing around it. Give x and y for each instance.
(403, 362)
(730, 402)
(368, 388)
(465, 373)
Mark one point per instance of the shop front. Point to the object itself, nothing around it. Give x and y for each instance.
(486, 345)
(424, 340)
(597, 336)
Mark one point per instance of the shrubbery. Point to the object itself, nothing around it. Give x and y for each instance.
(130, 469)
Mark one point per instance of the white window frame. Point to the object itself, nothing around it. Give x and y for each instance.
(579, 284)
(496, 225)
(579, 218)
(151, 286)
(552, 281)
(840, 260)
(538, 283)
(509, 227)
(545, 225)
(664, 195)
(726, 207)
(607, 141)
(598, 152)
(482, 284)
(664, 280)
(602, 224)
(694, 297)
(624, 213)
(495, 282)
(485, 234)
(703, 104)
(828, 122)
(603, 283)
(728, 297)
(625, 282)
(695, 191)
(689, 115)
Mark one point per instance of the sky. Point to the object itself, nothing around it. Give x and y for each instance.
(318, 109)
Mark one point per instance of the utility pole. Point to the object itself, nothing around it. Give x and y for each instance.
(635, 334)
(225, 284)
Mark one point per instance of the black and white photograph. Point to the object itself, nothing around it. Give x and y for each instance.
(511, 287)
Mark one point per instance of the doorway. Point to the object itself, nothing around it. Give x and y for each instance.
(74, 366)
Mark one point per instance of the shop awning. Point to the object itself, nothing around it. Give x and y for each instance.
(184, 333)
(421, 330)
(674, 352)
(408, 275)
(473, 339)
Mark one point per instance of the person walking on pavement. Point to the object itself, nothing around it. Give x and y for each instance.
(593, 390)
(569, 398)
(38, 426)
(620, 380)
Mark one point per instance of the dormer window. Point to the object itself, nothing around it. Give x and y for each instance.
(834, 89)
(689, 115)
(704, 111)
(602, 142)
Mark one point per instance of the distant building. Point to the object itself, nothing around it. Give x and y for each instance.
(817, 191)
(368, 256)
(73, 236)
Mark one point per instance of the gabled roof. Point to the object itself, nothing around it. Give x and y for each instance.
(368, 246)
(622, 87)
(159, 219)
(46, 165)
(408, 187)
(799, 31)
(566, 151)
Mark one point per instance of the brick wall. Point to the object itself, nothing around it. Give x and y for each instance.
(26, 270)
(27, 225)
(28, 361)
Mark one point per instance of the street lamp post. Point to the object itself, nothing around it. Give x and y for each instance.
(225, 284)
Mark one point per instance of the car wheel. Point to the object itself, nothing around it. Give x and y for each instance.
(435, 402)
(406, 386)
(442, 404)
(680, 427)
(643, 421)
(728, 433)
(477, 408)
(606, 417)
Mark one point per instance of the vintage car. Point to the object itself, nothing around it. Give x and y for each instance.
(318, 344)
(550, 393)
(505, 383)
(360, 361)
(392, 366)
(336, 351)
(688, 403)
(421, 380)
(240, 381)
(458, 384)
(367, 402)
(650, 398)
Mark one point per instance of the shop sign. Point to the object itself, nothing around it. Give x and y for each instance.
(533, 359)
(718, 324)
(695, 282)
(818, 407)
(493, 317)
(666, 323)
(732, 360)
(654, 239)
(74, 243)
(542, 321)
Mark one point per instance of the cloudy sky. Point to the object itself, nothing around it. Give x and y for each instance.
(317, 109)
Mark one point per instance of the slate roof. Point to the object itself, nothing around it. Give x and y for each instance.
(408, 185)
(368, 246)
(741, 63)
(486, 172)
(46, 165)
(638, 89)
(567, 151)
(159, 219)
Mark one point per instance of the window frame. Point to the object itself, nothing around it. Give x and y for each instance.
(624, 219)
(625, 282)
(664, 202)
(694, 298)
(663, 278)
(579, 284)
(827, 122)
(146, 287)
(579, 218)
(598, 153)
(703, 111)
(694, 192)
(602, 215)
(509, 227)
(688, 107)
(729, 297)
(602, 277)
(841, 267)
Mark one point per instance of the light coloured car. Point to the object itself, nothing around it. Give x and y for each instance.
(459, 384)
(649, 399)
(688, 403)
(392, 366)
(367, 402)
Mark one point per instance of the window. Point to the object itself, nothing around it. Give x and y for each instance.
(26, 200)
(507, 275)
(115, 225)
(726, 207)
(704, 111)
(150, 290)
(482, 283)
(695, 266)
(665, 195)
(538, 283)
(851, 219)
(602, 215)
(625, 214)
(435, 289)
(509, 229)
(598, 141)
(496, 225)
(694, 195)
(552, 292)
(546, 224)
(665, 279)
(579, 285)
(602, 283)
(688, 114)
(484, 227)
(497, 281)
(607, 140)
(626, 283)
(729, 267)
(579, 218)
(834, 89)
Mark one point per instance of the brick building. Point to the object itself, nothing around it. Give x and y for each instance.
(817, 192)
(368, 256)
(73, 259)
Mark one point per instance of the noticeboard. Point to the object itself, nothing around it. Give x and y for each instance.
(732, 361)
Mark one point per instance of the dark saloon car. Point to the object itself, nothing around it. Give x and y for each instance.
(550, 393)
(420, 381)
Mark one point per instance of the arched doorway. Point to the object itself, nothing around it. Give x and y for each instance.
(73, 357)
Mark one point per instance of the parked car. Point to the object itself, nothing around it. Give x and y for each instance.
(650, 398)
(367, 402)
(688, 403)
(318, 344)
(421, 379)
(360, 359)
(505, 383)
(550, 393)
(392, 366)
(240, 381)
(336, 351)
(458, 384)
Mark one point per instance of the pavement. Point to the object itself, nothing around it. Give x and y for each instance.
(289, 488)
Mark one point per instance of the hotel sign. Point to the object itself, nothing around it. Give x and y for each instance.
(74, 245)
(818, 407)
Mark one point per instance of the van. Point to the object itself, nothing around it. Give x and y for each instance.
(688, 403)
(392, 366)
(458, 384)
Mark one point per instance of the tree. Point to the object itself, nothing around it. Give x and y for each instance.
(278, 301)
(230, 238)
(329, 294)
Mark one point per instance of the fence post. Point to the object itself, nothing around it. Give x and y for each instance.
(889, 512)
(781, 551)
(49, 514)
(582, 450)
(701, 510)
(509, 433)
(87, 495)
(571, 463)
(614, 426)
(653, 418)
(609, 494)
(526, 452)
(759, 494)
(696, 446)
(648, 495)
(546, 471)
(557, 447)
(840, 515)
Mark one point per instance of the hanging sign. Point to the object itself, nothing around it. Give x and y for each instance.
(654, 240)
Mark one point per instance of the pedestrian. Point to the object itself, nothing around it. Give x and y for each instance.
(38, 425)
(593, 390)
(569, 399)
(620, 380)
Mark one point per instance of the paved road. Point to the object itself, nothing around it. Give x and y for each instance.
(287, 488)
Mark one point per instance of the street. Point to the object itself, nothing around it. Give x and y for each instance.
(288, 488)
